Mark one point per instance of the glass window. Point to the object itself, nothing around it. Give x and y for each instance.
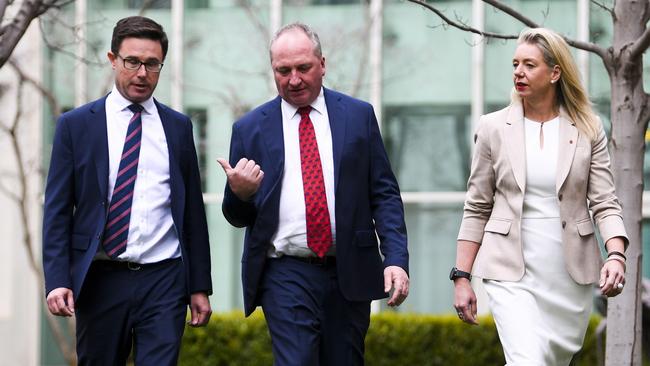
(429, 147)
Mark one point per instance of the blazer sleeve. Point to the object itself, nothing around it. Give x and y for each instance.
(386, 202)
(481, 186)
(58, 209)
(601, 193)
(196, 227)
(238, 213)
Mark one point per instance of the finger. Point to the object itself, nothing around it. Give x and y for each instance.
(61, 306)
(259, 178)
(52, 306)
(603, 276)
(388, 281)
(70, 301)
(250, 165)
(225, 165)
(241, 164)
(393, 299)
(195, 316)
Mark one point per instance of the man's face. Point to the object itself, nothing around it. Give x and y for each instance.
(136, 85)
(298, 72)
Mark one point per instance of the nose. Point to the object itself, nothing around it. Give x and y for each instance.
(519, 71)
(294, 79)
(142, 71)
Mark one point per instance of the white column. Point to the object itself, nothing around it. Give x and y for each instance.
(176, 49)
(582, 33)
(81, 68)
(375, 57)
(478, 64)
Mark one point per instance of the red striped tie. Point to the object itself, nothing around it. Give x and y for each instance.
(116, 232)
(319, 228)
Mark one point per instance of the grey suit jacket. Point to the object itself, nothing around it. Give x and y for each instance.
(495, 194)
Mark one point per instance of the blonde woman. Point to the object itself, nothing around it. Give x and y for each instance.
(540, 166)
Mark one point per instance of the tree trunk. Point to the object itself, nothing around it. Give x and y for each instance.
(629, 116)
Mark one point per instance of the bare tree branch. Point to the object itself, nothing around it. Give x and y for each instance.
(587, 46)
(13, 31)
(604, 7)
(3, 8)
(55, 108)
(461, 26)
(640, 45)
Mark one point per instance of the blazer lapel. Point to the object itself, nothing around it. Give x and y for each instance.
(99, 141)
(337, 117)
(567, 144)
(515, 140)
(271, 130)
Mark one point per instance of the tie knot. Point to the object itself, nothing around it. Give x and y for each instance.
(136, 108)
(304, 111)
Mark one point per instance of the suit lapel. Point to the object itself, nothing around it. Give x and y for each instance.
(98, 139)
(337, 117)
(271, 129)
(515, 141)
(567, 144)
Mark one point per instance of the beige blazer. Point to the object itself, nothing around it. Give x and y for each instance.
(495, 194)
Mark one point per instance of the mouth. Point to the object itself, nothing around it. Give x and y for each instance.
(520, 85)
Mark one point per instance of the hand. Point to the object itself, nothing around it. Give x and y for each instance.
(611, 275)
(244, 179)
(200, 308)
(465, 301)
(60, 301)
(396, 278)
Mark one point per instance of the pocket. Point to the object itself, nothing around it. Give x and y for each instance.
(585, 227)
(80, 242)
(499, 226)
(366, 238)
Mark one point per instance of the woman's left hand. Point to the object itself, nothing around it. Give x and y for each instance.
(612, 278)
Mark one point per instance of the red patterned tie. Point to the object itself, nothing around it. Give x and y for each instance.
(319, 229)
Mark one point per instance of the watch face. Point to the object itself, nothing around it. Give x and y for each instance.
(452, 274)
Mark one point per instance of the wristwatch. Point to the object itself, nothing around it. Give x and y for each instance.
(457, 273)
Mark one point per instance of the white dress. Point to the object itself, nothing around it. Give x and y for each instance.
(541, 319)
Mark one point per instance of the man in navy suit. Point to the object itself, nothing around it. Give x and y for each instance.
(310, 180)
(125, 241)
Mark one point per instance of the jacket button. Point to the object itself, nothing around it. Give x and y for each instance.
(559, 197)
(563, 224)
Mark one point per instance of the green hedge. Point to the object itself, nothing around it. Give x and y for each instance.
(393, 339)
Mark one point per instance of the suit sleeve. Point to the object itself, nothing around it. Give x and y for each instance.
(58, 210)
(386, 202)
(601, 192)
(481, 185)
(238, 213)
(196, 228)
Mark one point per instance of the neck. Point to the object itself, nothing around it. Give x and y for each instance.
(541, 110)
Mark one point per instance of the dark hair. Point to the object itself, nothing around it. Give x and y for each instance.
(138, 27)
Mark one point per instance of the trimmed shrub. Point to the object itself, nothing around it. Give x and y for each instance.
(393, 339)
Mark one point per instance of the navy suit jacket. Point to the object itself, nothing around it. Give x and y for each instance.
(76, 203)
(366, 194)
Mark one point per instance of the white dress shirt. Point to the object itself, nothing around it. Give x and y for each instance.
(291, 236)
(152, 235)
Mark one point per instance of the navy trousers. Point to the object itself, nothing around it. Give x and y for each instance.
(119, 307)
(310, 321)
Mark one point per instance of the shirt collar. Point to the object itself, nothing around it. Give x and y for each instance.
(118, 103)
(289, 110)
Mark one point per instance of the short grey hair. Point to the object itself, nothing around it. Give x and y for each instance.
(305, 29)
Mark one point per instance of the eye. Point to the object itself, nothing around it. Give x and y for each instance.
(304, 68)
(132, 62)
(282, 70)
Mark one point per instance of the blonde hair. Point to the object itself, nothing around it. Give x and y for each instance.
(571, 94)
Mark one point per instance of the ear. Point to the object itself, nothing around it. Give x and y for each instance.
(322, 65)
(112, 58)
(556, 73)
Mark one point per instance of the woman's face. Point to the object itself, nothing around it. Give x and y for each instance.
(532, 77)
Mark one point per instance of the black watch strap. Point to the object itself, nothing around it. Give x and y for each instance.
(457, 273)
